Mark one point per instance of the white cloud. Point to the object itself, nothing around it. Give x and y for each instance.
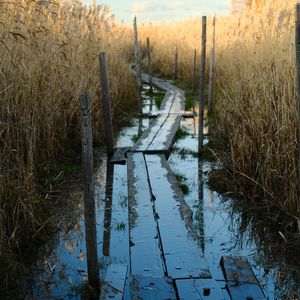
(147, 6)
(141, 7)
(174, 6)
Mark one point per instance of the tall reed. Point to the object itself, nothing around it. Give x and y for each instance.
(48, 57)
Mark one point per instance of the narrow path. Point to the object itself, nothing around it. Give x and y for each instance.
(166, 259)
(165, 248)
(159, 137)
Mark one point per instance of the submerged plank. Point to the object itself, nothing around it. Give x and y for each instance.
(147, 137)
(164, 139)
(152, 288)
(180, 245)
(146, 259)
(201, 289)
(241, 280)
(114, 282)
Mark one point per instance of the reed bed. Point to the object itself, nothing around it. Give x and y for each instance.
(255, 109)
(48, 57)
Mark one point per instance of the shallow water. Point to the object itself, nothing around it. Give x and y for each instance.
(224, 227)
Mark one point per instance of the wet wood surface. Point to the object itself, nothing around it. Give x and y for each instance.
(241, 280)
(146, 259)
(159, 137)
(180, 244)
(201, 289)
(114, 282)
(152, 288)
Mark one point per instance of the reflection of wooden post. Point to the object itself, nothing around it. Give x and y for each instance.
(108, 207)
(106, 104)
(140, 127)
(137, 64)
(212, 69)
(149, 65)
(202, 85)
(200, 212)
(175, 64)
(298, 98)
(89, 200)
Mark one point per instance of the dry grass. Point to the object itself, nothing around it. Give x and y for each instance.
(256, 105)
(48, 57)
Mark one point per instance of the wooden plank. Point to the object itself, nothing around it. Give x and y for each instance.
(242, 282)
(147, 137)
(180, 244)
(108, 292)
(198, 289)
(114, 282)
(152, 288)
(120, 156)
(165, 137)
(146, 258)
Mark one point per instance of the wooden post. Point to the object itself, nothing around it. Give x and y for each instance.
(106, 104)
(89, 200)
(149, 65)
(175, 64)
(202, 86)
(212, 69)
(297, 43)
(194, 71)
(137, 65)
(194, 78)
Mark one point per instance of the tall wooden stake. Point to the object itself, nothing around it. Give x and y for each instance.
(137, 65)
(106, 104)
(89, 200)
(149, 65)
(297, 43)
(212, 69)
(194, 71)
(202, 86)
(194, 77)
(175, 64)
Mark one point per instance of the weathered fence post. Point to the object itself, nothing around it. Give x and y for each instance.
(106, 104)
(202, 86)
(137, 65)
(212, 69)
(175, 64)
(89, 200)
(194, 77)
(149, 65)
(194, 71)
(297, 43)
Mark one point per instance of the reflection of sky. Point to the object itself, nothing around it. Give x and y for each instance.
(164, 10)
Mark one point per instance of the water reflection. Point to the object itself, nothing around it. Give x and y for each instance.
(200, 211)
(108, 208)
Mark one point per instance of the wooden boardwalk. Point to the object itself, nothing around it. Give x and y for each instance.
(166, 258)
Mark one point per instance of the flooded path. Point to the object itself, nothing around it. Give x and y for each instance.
(217, 223)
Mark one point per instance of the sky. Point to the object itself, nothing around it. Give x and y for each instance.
(164, 10)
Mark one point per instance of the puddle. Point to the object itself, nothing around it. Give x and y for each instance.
(220, 225)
